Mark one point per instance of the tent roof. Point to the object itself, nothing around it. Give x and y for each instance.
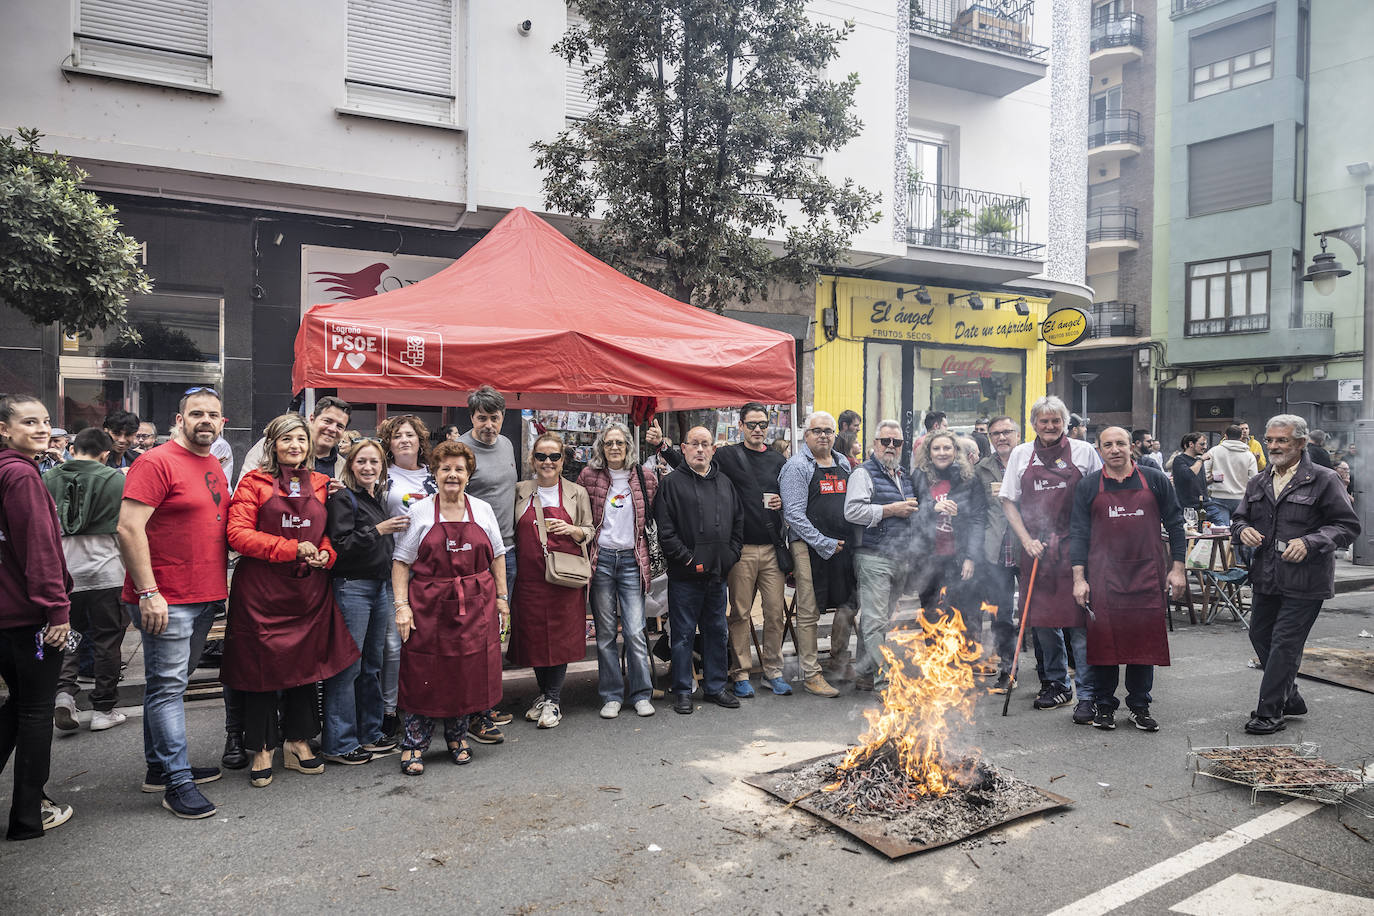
(526, 310)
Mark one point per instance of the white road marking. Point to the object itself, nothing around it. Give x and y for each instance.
(1265, 897)
(1190, 860)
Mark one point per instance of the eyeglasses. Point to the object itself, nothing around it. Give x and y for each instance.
(548, 456)
(1002, 432)
(613, 443)
(199, 389)
(823, 433)
(1277, 440)
(891, 441)
(756, 424)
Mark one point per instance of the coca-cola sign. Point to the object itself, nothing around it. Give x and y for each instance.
(973, 367)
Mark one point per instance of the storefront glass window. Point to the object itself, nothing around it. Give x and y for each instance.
(175, 327)
(968, 384)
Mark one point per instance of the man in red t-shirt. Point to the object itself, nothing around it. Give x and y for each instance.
(175, 550)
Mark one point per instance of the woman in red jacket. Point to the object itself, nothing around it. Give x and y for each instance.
(285, 632)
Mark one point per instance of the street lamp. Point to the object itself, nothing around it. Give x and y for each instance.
(1084, 379)
(1325, 271)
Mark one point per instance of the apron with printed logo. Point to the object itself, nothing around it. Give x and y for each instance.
(1126, 579)
(1046, 508)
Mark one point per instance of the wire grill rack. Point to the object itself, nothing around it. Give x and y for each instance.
(1294, 770)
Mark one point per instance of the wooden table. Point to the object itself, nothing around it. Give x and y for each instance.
(1221, 551)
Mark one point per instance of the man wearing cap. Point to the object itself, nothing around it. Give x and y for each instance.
(56, 452)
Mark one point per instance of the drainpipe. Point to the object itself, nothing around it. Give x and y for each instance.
(1288, 377)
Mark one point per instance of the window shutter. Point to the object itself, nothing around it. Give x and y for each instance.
(160, 40)
(1231, 172)
(400, 58)
(576, 102)
(1228, 41)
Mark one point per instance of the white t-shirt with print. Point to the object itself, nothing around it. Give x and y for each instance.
(618, 515)
(422, 519)
(406, 488)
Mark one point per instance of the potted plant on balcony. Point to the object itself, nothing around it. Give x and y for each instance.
(949, 226)
(994, 224)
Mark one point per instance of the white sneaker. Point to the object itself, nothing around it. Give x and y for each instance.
(64, 712)
(103, 720)
(54, 815)
(551, 715)
(533, 713)
(644, 708)
(611, 709)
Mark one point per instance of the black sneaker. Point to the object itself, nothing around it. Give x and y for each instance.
(724, 698)
(1052, 697)
(484, 731)
(682, 704)
(1083, 713)
(156, 781)
(381, 747)
(1104, 717)
(186, 801)
(391, 727)
(353, 758)
(1143, 720)
(1004, 684)
(501, 718)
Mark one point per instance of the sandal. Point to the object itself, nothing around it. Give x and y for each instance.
(462, 754)
(414, 765)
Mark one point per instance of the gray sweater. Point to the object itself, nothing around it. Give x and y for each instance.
(495, 480)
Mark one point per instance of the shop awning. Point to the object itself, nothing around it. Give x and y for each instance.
(527, 311)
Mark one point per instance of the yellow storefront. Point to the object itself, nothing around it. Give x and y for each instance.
(898, 352)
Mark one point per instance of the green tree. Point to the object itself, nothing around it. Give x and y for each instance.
(708, 117)
(62, 256)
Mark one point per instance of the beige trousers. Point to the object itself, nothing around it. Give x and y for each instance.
(756, 572)
(808, 615)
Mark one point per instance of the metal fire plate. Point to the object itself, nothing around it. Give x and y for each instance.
(871, 832)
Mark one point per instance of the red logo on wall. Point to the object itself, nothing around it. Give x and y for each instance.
(977, 367)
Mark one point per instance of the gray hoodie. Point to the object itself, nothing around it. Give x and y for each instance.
(1233, 462)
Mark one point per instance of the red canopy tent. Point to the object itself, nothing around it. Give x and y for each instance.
(529, 312)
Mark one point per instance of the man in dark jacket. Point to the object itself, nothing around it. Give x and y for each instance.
(701, 531)
(1295, 515)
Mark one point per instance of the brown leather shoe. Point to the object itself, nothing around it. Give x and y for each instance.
(817, 684)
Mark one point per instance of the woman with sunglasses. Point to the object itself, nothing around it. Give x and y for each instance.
(34, 609)
(285, 632)
(622, 499)
(406, 440)
(949, 526)
(363, 534)
(548, 622)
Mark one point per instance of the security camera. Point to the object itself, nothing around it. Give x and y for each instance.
(525, 27)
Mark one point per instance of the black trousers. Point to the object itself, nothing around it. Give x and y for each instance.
(26, 724)
(999, 590)
(97, 616)
(1278, 630)
(300, 717)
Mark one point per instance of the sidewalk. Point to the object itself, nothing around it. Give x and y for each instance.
(1351, 578)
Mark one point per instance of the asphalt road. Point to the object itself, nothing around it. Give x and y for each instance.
(650, 815)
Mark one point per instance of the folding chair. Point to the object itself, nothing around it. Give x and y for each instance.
(1224, 587)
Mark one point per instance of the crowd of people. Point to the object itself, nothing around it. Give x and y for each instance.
(376, 580)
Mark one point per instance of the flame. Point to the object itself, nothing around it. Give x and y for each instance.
(988, 609)
(918, 703)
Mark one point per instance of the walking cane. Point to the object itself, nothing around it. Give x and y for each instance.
(1021, 634)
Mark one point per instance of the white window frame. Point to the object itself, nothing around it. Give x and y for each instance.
(390, 99)
(180, 57)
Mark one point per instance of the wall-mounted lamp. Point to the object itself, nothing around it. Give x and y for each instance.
(1021, 305)
(1325, 269)
(975, 302)
(830, 322)
(1358, 169)
(922, 294)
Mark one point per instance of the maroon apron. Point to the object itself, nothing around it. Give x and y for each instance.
(1046, 509)
(284, 629)
(1126, 579)
(548, 623)
(451, 664)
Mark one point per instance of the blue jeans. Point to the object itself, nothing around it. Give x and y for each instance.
(1051, 641)
(616, 582)
(168, 660)
(1216, 513)
(1139, 680)
(353, 697)
(693, 604)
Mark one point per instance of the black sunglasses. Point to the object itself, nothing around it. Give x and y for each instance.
(756, 424)
(548, 456)
(890, 442)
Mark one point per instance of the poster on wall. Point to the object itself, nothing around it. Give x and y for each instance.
(345, 274)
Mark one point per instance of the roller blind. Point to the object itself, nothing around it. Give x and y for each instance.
(1231, 172)
(400, 57)
(1228, 41)
(576, 102)
(161, 40)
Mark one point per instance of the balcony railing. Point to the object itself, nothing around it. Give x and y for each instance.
(1236, 324)
(1113, 319)
(1319, 320)
(1187, 6)
(1112, 223)
(1122, 30)
(1115, 125)
(1003, 26)
(943, 216)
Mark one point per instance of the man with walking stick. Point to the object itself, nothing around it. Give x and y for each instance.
(1037, 497)
(1117, 565)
